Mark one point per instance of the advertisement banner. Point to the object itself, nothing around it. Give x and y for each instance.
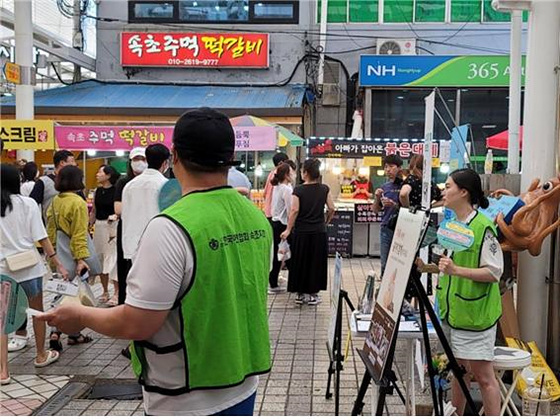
(387, 309)
(27, 134)
(337, 147)
(436, 70)
(113, 138)
(190, 49)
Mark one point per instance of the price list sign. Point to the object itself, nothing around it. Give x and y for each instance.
(339, 233)
(363, 213)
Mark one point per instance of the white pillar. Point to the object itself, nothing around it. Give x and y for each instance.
(514, 91)
(24, 57)
(538, 161)
(322, 42)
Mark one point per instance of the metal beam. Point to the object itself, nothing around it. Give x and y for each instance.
(47, 42)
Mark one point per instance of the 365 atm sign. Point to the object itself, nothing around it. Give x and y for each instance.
(189, 49)
(431, 71)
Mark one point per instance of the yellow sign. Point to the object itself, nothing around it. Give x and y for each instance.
(435, 162)
(373, 161)
(13, 73)
(27, 134)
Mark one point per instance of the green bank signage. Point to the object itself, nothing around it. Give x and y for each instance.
(436, 70)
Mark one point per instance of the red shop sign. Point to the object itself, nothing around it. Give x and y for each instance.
(188, 49)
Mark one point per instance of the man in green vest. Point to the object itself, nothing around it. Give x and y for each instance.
(197, 291)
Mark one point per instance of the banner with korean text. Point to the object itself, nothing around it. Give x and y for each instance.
(27, 134)
(188, 49)
(113, 138)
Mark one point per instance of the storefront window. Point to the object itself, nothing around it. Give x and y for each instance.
(491, 15)
(364, 10)
(466, 10)
(337, 11)
(430, 11)
(153, 10)
(398, 11)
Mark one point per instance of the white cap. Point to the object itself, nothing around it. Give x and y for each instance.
(137, 151)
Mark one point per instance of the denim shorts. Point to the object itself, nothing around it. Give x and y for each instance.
(32, 287)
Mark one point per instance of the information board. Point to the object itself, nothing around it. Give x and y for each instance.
(364, 213)
(339, 233)
(335, 300)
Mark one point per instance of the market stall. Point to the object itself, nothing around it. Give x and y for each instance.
(353, 169)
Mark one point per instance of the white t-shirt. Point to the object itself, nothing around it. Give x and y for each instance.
(26, 188)
(139, 204)
(491, 256)
(19, 230)
(161, 272)
(281, 202)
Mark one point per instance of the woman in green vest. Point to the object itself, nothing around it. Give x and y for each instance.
(468, 293)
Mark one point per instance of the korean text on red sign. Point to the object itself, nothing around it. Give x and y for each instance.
(188, 49)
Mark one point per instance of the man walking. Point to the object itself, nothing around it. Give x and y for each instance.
(140, 198)
(386, 199)
(197, 292)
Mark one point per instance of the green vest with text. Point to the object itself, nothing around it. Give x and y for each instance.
(223, 313)
(466, 304)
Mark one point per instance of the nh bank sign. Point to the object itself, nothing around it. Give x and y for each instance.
(432, 71)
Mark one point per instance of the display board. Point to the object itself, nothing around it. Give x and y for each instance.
(364, 213)
(339, 233)
(335, 301)
(387, 309)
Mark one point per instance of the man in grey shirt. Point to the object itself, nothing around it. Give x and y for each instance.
(239, 181)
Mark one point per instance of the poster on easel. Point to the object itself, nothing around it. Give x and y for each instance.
(387, 309)
(335, 300)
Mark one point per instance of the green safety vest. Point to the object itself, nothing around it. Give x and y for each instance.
(466, 304)
(223, 313)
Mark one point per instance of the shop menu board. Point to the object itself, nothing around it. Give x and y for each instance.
(339, 233)
(387, 307)
(364, 213)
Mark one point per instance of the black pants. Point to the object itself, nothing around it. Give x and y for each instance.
(277, 229)
(123, 266)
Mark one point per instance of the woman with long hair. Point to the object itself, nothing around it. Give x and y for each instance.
(411, 191)
(307, 226)
(68, 212)
(281, 206)
(468, 293)
(103, 218)
(21, 225)
(29, 174)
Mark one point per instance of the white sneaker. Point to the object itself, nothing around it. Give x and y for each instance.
(314, 300)
(276, 290)
(17, 343)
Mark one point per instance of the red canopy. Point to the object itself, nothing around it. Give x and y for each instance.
(500, 141)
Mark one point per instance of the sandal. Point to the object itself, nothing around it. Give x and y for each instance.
(104, 297)
(52, 356)
(114, 301)
(55, 343)
(81, 339)
(5, 381)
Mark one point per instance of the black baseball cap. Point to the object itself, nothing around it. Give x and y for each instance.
(205, 136)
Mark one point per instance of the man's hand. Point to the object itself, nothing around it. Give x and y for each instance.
(387, 202)
(66, 318)
(447, 266)
(378, 193)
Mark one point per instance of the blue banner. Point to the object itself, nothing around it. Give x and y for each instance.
(391, 70)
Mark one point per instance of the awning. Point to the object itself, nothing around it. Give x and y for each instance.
(500, 141)
(94, 97)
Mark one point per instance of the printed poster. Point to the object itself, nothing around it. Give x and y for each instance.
(335, 298)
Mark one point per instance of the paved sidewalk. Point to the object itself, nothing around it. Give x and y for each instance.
(295, 386)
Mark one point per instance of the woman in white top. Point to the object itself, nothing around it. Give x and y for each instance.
(29, 175)
(21, 226)
(280, 209)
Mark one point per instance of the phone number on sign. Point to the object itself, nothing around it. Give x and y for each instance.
(193, 62)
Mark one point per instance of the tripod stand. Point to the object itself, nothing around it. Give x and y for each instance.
(335, 365)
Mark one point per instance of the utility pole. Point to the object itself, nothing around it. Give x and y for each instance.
(539, 157)
(23, 30)
(77, 38)
(514, 92)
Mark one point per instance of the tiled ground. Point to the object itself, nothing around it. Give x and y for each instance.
(295, 386)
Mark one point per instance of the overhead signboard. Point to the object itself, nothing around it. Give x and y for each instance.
(27, 134)
(436, 70)
(340, 147)
(190, 49)
(111, 137)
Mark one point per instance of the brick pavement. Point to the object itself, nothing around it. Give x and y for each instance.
(295, 386)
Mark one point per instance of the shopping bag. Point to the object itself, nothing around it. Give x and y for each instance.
(538, 368)
(284, 253)
(84, 296)
(65, 255)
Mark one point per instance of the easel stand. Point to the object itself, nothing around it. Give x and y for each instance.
(386, 383)
(335, 365)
